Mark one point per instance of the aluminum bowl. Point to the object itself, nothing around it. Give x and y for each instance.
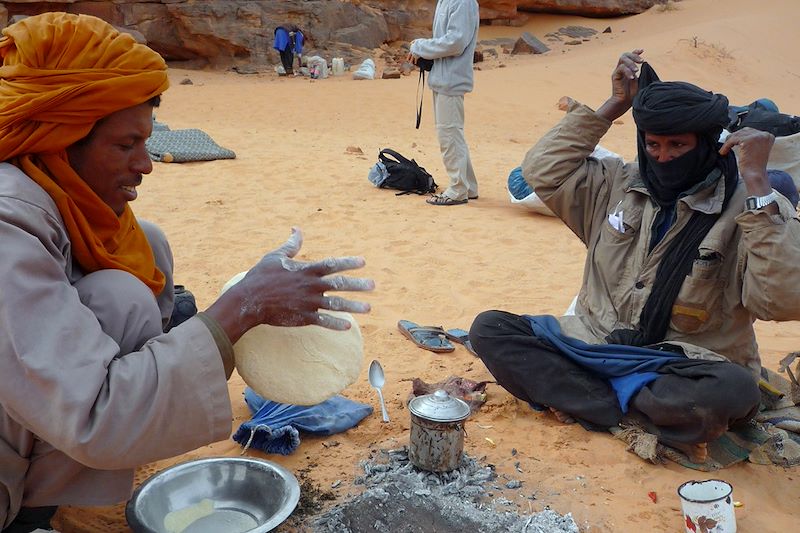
(248, 494)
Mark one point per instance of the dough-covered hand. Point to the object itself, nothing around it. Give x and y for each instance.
(283, 291)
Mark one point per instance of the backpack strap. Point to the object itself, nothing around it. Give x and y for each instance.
(397, 157)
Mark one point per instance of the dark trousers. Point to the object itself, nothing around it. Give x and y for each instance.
(693, 400)
(30, 519)
(287, 59)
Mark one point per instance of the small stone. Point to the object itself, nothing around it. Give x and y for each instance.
(391, 74)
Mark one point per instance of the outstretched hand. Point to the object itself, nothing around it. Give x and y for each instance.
(282, 291)
(624, 85)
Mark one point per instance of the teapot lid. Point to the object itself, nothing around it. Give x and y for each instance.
(439, 407)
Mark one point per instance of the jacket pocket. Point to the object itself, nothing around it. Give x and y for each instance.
(698, 307)
(613, 258)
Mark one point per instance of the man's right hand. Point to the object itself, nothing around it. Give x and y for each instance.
(624, 85)
(282, 291)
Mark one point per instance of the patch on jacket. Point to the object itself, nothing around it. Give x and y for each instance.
(687, 318)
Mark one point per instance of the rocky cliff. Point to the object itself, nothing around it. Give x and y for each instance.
(225, 33)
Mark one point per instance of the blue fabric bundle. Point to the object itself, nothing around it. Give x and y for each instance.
(628, 368)
(517, 185)
(275, 427)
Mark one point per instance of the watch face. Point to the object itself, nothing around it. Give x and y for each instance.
(757, 202)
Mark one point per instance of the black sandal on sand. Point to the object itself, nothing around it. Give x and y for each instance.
(440, 199)
(427, 337)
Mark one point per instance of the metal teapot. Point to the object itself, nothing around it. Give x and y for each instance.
(437, 431)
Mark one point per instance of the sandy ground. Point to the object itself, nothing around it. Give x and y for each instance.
(442, 266)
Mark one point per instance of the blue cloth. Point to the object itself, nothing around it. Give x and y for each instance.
(275, 427)
(628, 368)
(517, 185)
(784, 184)
(282, 40)
(667, 217)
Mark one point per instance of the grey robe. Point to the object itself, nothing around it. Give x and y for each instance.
(85, 398)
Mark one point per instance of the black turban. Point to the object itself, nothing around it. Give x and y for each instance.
(672, 108)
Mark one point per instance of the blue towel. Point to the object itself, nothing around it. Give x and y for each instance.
(628, 368)
(275, 427)
(517, 185)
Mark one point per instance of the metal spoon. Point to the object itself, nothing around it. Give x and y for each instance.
(377, 380)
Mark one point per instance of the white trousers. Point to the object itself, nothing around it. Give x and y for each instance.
(448, 112)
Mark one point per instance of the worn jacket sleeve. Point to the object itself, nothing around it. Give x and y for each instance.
(769, 253)
(63, 378)
(460, 28)
(573, 185)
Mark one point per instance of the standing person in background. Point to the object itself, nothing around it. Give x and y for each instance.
(455, 33)
(288, 41)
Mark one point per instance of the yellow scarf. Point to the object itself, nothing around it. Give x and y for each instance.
(60, 74)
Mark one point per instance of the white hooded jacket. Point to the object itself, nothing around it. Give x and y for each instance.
(455, 34)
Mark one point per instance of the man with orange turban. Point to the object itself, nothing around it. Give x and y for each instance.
(90, 385)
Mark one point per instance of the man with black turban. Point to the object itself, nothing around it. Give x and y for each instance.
(685, 250)
(90, 385)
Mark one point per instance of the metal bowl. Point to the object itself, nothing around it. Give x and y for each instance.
(247, 494)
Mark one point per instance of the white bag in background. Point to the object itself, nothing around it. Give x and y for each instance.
(317, 67)
(366, 71)
(535, 204)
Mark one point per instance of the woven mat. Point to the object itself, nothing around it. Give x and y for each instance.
(773, 437)
(179, 146)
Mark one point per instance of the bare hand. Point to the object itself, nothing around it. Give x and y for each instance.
(624, 85)
(752, 153)
(282, 291)
(411, 58)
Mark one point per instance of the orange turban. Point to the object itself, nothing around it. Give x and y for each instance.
(60, 74)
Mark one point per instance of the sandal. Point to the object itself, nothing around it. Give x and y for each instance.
(426, 337)
(440, 199)
(461, 337)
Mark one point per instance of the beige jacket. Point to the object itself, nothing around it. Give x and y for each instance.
(76, 416)
(749, 265)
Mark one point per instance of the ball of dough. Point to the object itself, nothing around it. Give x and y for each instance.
(302, 365)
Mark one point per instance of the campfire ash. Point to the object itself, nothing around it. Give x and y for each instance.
(399, 498)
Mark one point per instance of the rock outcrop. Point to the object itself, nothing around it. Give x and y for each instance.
(588, 8)
(226, 33)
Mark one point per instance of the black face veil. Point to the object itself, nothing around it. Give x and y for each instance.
(671, 108)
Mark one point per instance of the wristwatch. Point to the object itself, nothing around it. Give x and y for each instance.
(757, 202)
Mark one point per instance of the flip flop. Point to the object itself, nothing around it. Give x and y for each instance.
(461, 337)
(427, 337)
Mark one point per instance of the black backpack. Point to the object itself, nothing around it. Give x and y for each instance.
(405, 175)
(778, 124)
